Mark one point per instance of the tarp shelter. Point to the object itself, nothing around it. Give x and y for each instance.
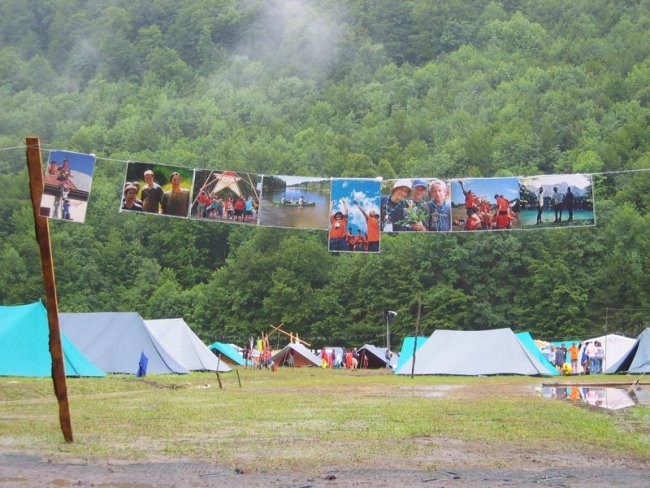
(637, 360)
(474, 353)
(301, 356)
(180, 340)
(407, 349)
(114, 341)
(228, 354)
(527, 340)
(25, 345)
(614, 346)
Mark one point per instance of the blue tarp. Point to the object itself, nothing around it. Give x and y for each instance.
(227, 352)
(25, 345)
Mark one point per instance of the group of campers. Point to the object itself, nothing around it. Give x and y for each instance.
(568, 360)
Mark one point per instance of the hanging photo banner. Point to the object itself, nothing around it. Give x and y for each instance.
(297, 202)
(226, 196)
(415, 205)
(157, 189)
(354, 215)
(557, 201)
(485, 204)
(66, 186)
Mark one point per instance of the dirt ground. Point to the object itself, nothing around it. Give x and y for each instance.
(458, 464)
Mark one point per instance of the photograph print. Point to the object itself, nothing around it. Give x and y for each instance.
(226, 196)
(354, 215)
(157, 189)
(485, 204)
(557, 201)
(297, 202)
(66, 186)
(415, 205)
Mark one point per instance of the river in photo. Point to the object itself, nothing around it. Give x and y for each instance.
(299, 217)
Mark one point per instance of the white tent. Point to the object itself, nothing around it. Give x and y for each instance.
(179, 339)
(474, 353)
(637, 359)
(115, 341)
(615, 347)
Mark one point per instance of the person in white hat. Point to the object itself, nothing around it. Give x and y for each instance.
(394, 207)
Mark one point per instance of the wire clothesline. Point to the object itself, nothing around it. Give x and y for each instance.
(127, 161)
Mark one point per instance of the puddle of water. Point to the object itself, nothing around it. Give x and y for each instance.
(596, 396)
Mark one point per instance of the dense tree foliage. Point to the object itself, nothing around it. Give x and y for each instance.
(334, 88)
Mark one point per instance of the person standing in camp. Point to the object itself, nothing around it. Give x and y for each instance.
(590, 350)
(177, 200)
(151, 194)
(560, 355)
(574, 352)
(599, 354)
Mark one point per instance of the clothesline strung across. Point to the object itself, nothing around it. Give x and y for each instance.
(355, 211)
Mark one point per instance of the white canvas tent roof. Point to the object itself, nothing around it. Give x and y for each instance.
(114, 342)
(179, 339)
(474, 353)
(302, 356)
(637, 359)
(615, 347)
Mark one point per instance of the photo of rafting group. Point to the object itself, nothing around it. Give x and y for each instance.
(354, 211)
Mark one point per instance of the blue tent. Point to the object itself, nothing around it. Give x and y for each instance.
(25, 349)
(406, 352)
(228, 353)
(527, 340)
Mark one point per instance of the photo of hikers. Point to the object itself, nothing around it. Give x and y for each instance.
(415, 205)
(485, 204)
(354, 215)
(226, 196)
(157, 189)
(557, 201)
(66, 186)
(298, 202)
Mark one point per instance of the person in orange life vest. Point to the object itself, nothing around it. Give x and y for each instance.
(574, 351)
(503, 212)
(338, 227)
(472, 203)
(372, 223)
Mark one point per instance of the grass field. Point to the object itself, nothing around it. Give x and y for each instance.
(301, 418)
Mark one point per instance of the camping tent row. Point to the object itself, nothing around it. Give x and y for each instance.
(97, 343)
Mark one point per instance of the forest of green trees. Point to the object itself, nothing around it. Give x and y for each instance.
(351, 88)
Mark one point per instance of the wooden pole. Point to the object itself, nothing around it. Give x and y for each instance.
(417, 331)
(42, 228)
